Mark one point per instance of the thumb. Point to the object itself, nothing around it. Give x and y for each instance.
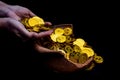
(44, 34)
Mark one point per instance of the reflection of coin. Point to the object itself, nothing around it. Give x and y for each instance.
(98, 59)
(83, 58)
(67, 31)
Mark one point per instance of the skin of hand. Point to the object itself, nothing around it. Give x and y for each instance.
(14, 11)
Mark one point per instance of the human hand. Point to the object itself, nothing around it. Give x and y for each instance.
(12, 15)
(18, 29)
(14, 11)
(21, 11)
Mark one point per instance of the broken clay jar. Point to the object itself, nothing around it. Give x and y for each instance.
(57, 62)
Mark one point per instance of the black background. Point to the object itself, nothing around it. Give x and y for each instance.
(92, 21)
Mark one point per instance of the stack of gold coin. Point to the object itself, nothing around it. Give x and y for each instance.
(62, 39)
(35, 24)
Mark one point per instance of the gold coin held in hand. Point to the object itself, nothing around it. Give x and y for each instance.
(36, 21)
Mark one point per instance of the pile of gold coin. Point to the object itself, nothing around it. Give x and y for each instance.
(35, 24)
(62, 39)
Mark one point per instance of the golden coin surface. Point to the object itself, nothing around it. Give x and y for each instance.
(39, 19)
(67, 31)
(80, 42)
(59, 31)
(98, 59)
(25, 22)
(68, 49)
(77, 55)
(83, 58)
(76, 48)
(88, 51)
(72, 57)
(54, 47)
(35, 21)
(61, 39)
(68, 39)
(36, 29)
(53, 37)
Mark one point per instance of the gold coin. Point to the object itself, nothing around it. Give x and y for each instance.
(54, 47)
(36, 21)
(61, 39)
(61, 45)
(88, 51)
(39, 19)
(59, 31)
(67, 31)
(83, 58)
(76, 48)
(53, 37)
(45, 28)
(72, 57)
(77, 55)
(68, 39)
(80, 42)
(98, 59)
(36, 29)
(68, 49)
(25, 22)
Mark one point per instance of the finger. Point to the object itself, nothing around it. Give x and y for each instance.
(45, 33)
(31, 14)
(13, 15)
(48, 23)
(19, 28)
(42, 49)
(45, 50)
(8, 13)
